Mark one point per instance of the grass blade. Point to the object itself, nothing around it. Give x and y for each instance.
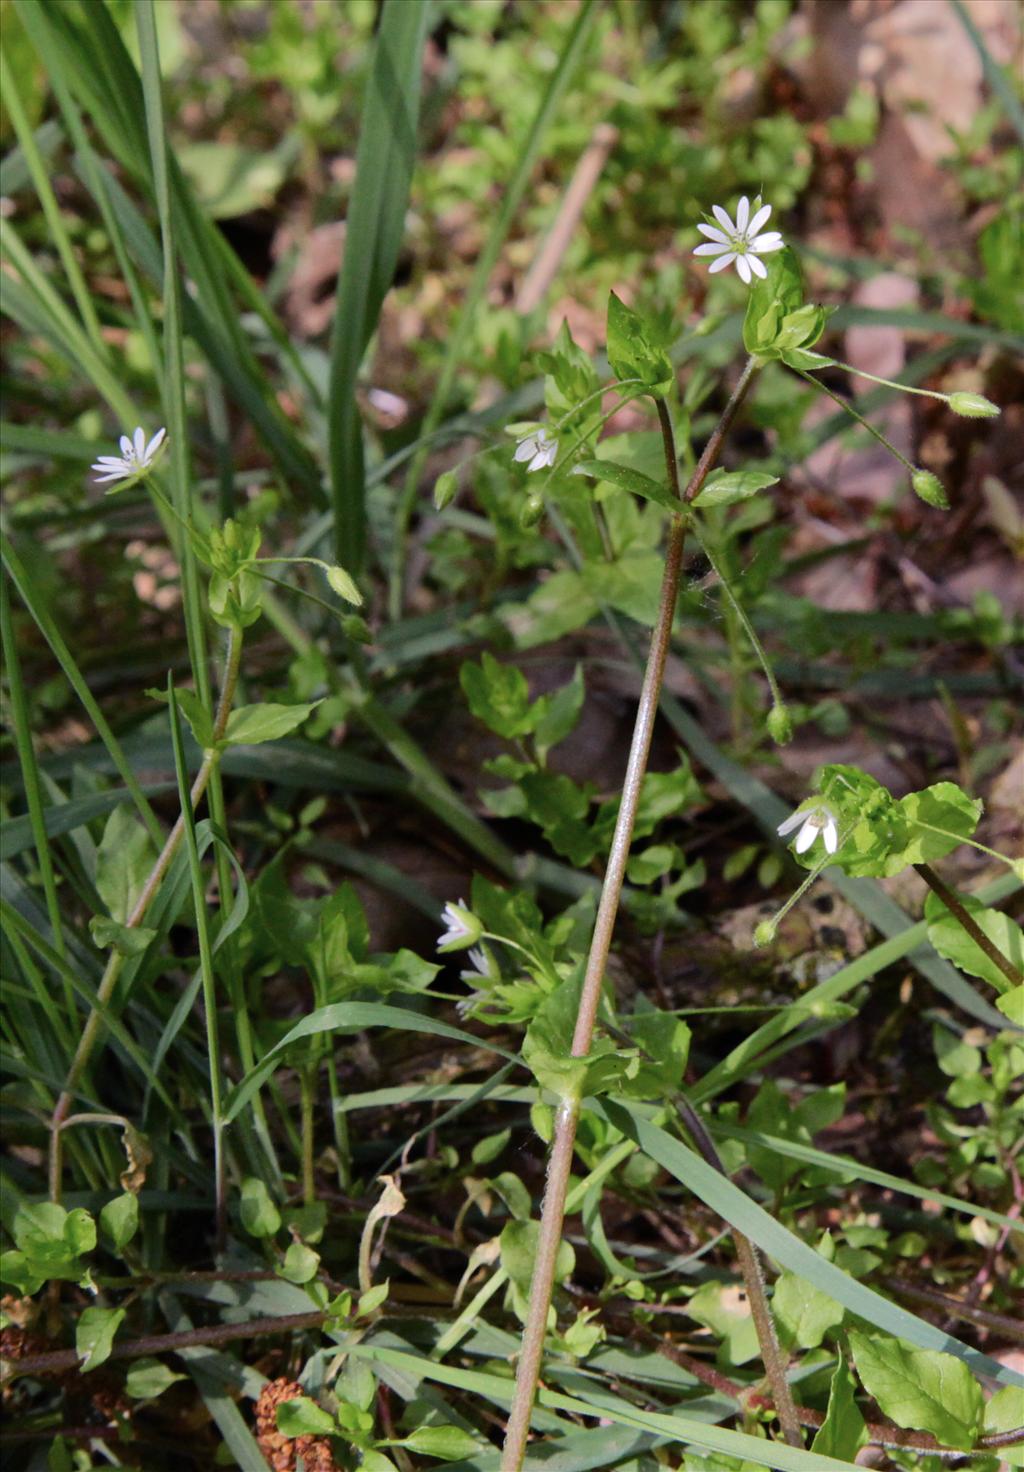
(373, 237)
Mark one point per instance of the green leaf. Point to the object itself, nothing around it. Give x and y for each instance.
(920, 1389)
(260, 1217)
(724, 1308)
(448, 1443)
(725, 488)
(300, 1263)
(1003, 1413)
(194, 711)
(804, 1314)
(231, 179)
(303, 1417)
(123, 863)
(129, 940)
(490, 1147)
(631, 351)
(94, 1335)
(842, 1433)
(519, 1242)
(148, 1378)
(250, 725)
(499, 696)
(956, 1058)
(560, 715)
(548, 1043)
(119, 1220)
(951, 940)
(771, 299)
(630, 480)
(1011, 1004)
(370, 1301)
(939, 819)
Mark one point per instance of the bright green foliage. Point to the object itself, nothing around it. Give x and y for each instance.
(300, 1264)
(950, 939)
(260, 1217)
(724, 1308)
(499, 696)
(123, 863)
(930, 489)
(49, 1243)
(147, 1378)
(303, 1417)
(119, 1220)
(727, 487)
(249, 725)
(633, 352)
(803, 1313)
(777, 324)
(920, 1388)
(519, 1256)
(842, 1433)
(447, 1443)
(627, 479)
(1003, 1413)
(94, 1335)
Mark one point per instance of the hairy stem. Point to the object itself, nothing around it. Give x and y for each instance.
(567, 1115)
(970, 925)
(108, 981)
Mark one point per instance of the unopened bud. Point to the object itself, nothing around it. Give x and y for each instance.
(764, 933)
(930, 489)
(356, 629)
(780, 726)
(444, 489)
(973, 406)
(533, 510)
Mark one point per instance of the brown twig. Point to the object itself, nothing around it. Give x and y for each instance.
(581, 186)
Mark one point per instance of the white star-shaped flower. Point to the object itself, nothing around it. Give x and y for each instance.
(540, 448)
(135, 457)
(464, 929)
(740, 242)
(819, 818)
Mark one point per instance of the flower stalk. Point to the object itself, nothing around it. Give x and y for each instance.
(567, 1114)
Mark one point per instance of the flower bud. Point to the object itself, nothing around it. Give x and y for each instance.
(930, 489)
(780, 726)
(973, 406)
(356, 629)
(444, 489)
(764, 934)
(533, 510)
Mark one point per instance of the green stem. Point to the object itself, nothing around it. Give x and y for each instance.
(105, 991)
(969, 924)
(567, 1115)
(849, 409)
(307, 1091)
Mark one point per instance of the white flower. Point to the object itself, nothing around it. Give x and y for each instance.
(135, 457)
(740, 242)
(463, 928)
(540, 448)
(479, 964)
(811, 821)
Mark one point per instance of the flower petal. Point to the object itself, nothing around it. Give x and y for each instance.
(526, 449)
(793, 821)
(126, 445)
(101, 480)
(764, 243)
(713, 234)
(709, 249)
(743, 267)
(742, 215)
(154, 444)
(808, 833)
(760, 220)
(830, 833)
(107, 462)
(722, 262)
(758, 268)
(139, 442)
(723, 219)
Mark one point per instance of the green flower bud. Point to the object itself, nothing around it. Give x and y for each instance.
(930, 489)
(533, 510)
(356, 629)
(973, 406)
(780, 726)
(444, 489)
(764, 934)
